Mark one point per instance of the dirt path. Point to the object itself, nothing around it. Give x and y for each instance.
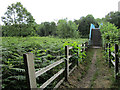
(94, 73)
(87, 80)
(103, 75)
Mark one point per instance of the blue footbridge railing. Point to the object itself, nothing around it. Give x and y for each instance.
(92, 27)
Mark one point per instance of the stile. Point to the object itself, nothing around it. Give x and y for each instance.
(30, 70)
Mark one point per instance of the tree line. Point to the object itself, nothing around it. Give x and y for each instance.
(19, 22)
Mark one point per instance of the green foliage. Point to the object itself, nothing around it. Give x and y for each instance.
(18, 21)
(76, 46)
(67, 29)
(110, 33)
(46, 29)
(46, 51)
(114, 18)
(84, 24)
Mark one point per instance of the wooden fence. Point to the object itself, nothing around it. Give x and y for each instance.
(116, 60)
(31, 75)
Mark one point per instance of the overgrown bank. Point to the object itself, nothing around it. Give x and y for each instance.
(95, 73)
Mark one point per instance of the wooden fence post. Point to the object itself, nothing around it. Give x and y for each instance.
(66, 63)
(78, 56)
(116, 60)
(82, 46)
(86, 45)
(109, 56)
(106, 47)
(30, 70)
(82, 50)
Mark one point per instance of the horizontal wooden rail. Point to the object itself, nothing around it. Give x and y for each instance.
(69, 56)
(44, 57)
(70, 64)
(59, 83)
(54, 51)
(113, 62)
(70, 48)
(45, 69)
(72, 55)
(113, 54)
(52, 78)
(72, 69)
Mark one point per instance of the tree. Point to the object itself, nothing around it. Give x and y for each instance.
(53, 29)
(0, 30)
(110, 33)
(84, 24)
(46, 29)
(114, 18)
(67, 29)
(99, 21)
(18, 21)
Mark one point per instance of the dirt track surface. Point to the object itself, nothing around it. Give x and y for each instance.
(86, 81)
(97, 76)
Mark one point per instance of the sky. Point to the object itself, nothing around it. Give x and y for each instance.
(53, 10)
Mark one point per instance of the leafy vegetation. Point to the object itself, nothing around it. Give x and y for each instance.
(47, 29)
(114, 18)
(46, 51)
(19, 24)
(67, 29)
(18, 21)
(63, 29)
(110, 33)
(84, 24)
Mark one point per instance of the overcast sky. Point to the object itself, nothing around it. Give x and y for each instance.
(52, 10)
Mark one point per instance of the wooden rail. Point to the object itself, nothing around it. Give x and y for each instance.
(31, 75)
(116, 60)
